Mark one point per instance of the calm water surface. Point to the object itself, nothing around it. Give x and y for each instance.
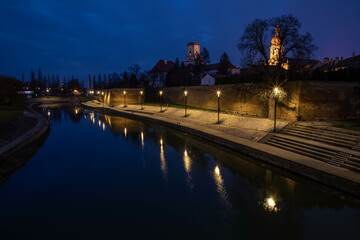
(105, 177)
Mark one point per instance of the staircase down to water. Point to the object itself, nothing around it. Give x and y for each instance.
(328, 144)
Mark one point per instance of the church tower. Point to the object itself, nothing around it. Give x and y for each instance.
(193, 51)
(276, 49)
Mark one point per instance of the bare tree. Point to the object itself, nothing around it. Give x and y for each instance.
(255, 42)
(135, 69)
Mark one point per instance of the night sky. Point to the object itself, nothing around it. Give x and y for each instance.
(81, 37)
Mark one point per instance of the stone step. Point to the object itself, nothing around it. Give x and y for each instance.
(355, 164)
(332, 130)
(356, 147)
(328, 133)
(317, 136)
(354, 159)
(291, 149)
(350, 167)
(307, 146)
(320, 140)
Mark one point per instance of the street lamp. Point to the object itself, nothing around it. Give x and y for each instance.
(276, 94)
(185, 94)
(102, 93)
(218, 95)
(141, 99)
(124, 92)
(160, 93)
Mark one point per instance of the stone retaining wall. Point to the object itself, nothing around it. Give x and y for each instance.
(115, 96)
(305, 100)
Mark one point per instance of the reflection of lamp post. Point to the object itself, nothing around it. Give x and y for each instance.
(141, 93)
(185, 94)
(276, 94)
(124, 92)
(218, 94)
(161, 93)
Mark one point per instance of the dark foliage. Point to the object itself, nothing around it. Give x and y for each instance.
(205, 56)
(8, 89)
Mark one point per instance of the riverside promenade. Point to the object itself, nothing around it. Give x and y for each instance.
(245, 135)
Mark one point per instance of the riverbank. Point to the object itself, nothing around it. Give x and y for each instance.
(20, 139)
(241, 134)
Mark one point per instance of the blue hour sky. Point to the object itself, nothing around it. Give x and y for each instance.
(99, 36)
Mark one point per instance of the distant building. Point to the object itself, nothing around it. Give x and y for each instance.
(302, 64)
(341, 63)
(208, 80)
(192, 53)
(159, 72)
(193, 56)
(213, 69)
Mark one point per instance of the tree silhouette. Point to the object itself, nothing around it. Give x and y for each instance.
(205, 56)
(135, 69)
(125, 79)
(224, 64)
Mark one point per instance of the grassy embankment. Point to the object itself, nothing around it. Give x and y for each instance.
(10, 112)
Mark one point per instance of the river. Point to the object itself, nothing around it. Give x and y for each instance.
(107, 177)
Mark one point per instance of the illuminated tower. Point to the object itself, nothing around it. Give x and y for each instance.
(276, 49)
(193, 51)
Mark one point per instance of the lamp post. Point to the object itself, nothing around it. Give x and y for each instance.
(102, 93)
(160, 93)
(185, 94)
(141, 100)
(124, 98)
(218, 95)
(276, 94)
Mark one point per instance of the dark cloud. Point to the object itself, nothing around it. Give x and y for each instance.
(81, 37)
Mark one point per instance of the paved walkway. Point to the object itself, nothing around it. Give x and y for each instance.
(39, 124)
(232, 135)
(251, 128)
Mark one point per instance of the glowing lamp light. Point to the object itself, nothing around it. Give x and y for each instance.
(271, 202)
(141, 92)
(102, 93)
(97, 92)
(217, 170)
(185, 93)
(276, 91)
(124, 92)
(185, 153)
(218, 93)
(161, 142)
(270, 205)
(161, 92)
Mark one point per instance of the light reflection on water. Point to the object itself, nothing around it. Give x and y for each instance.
(165, 181)
(187, 167)
(221, 188)
(142, 140)
(163, 160)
